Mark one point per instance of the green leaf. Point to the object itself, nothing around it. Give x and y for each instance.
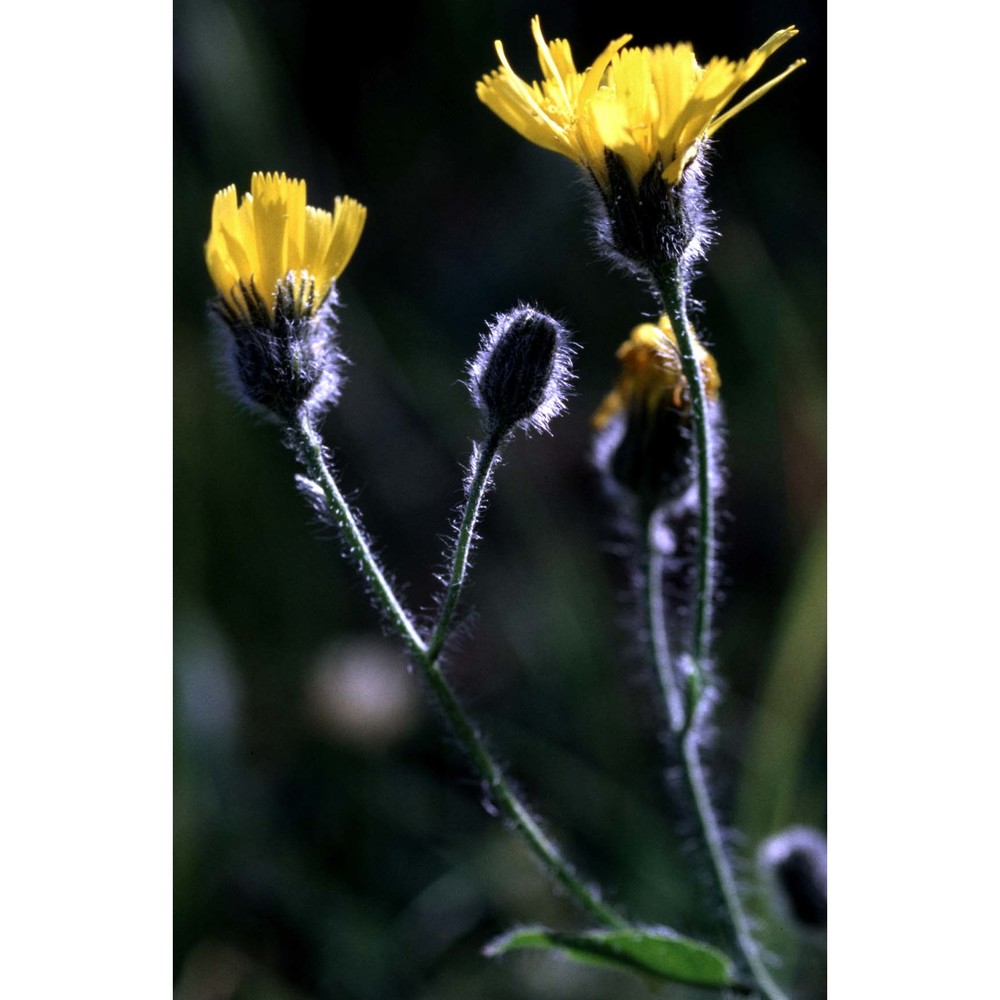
(656, 951)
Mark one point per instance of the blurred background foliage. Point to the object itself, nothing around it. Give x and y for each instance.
(330, 841)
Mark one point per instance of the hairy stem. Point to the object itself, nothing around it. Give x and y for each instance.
(672, 290)
(654, 607)
(479, 480)
(311, 448)
(499, 788)
(512, 807)
(694, 775)
(687, 736)
(671, 286)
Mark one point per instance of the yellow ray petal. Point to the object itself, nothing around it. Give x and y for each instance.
(638, 103)
(755, 96)
(348, 222)
(273, 234)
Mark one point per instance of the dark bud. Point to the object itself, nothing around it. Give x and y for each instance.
(652, 227)
(288, 364)
(644, 440)
(522, 372)
(648, 452)
(794, 864)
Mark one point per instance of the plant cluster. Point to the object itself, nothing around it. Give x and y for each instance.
(640, 123)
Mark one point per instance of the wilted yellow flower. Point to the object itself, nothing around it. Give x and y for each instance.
(651, 374)
(648, 106)
(272, 236)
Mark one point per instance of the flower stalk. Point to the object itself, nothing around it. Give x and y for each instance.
(722, 869)
(652, 570)
(681, 719)
(500, 790)
(510, 804)
(672, 294)
(312, 454)
(483, 461)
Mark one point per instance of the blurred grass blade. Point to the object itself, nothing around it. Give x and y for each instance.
(655, 951)
(790, 704)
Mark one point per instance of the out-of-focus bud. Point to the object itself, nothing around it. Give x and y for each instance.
(643, 440)
(793, 864)
(522, 372)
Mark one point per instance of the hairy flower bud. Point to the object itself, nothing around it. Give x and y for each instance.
(521, 373)
(643, 441)
(794, 864)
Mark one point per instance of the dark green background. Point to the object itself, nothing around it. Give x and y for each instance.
(314, 862)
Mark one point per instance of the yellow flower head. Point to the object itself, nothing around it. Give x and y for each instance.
(651, 374)
(273, 236)
(646, 105)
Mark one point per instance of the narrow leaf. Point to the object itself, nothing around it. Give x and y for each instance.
(657, 951)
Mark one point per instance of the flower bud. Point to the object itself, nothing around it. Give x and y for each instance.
(794, 864)
(521, 374)
(643, 441)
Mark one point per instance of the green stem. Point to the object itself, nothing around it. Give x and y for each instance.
(682, 718)
(311, 448)
(694, 774)
(673, 296)
(511, 805)
(506, 798)
(652, 570)
(483, 466)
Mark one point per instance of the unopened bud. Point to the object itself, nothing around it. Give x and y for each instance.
(643, 441)
(794, 865)
(521, 374)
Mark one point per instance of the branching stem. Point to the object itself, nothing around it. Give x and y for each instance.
(686, 736)
(671, 287)
(499, 788)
